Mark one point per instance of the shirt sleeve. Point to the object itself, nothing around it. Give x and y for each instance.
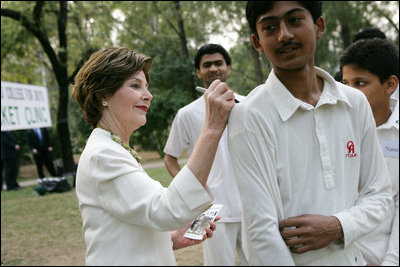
(374, 187)
(178, 139)
(128, 193)
(255, 174)
(392, 254)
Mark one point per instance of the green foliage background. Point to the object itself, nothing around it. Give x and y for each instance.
(153, 28)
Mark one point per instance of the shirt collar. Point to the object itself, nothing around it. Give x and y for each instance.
(393, 120)
(287, 104)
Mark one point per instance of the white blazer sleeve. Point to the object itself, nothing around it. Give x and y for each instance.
(128, 193)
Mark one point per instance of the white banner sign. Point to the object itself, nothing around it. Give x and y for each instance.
(24, 106)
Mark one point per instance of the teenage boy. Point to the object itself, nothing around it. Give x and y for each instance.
(311, 175)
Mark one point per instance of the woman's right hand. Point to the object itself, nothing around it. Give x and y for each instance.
(219, 103)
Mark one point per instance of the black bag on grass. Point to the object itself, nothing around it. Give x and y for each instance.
(55, 184)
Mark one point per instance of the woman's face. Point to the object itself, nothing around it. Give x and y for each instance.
(129, 105)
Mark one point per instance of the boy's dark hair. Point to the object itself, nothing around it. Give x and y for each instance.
(338, 76)
(368, 33)
(378, 56)
(211, 49)
(254, 9)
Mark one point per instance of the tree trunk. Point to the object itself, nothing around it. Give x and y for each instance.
(63, 130)
(185, 50)
(345, 32)
(257, 64)
(59, 65)
(63, 83)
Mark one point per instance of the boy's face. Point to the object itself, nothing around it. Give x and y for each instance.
(212, 67)
(366, 82)
(288, 35)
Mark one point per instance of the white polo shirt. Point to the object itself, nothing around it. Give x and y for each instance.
(381, 246)
(291, 158)
(183, 135)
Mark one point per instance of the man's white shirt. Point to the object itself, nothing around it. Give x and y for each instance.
(291, 158)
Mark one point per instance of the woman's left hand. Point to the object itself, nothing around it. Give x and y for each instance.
(179, 241)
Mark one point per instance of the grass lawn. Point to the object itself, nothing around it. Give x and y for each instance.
(41, 230)
(47, 230)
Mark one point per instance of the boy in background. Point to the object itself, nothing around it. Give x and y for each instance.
(372, 66)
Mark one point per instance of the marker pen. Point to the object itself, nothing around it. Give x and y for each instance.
(202, 90)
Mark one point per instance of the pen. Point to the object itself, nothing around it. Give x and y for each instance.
(202, 90)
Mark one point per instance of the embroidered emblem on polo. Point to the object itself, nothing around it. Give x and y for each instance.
(350, 150)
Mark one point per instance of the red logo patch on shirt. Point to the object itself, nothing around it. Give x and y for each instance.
(350, 150)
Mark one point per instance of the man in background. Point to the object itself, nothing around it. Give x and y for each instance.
(212, 62)
(368, 33)
(40, 144)
(9, 156)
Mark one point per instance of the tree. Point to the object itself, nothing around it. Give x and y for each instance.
(343, 19)
(58, 62)
(43, 33)
(170, 32)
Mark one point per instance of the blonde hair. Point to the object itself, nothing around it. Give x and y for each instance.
(102, 75)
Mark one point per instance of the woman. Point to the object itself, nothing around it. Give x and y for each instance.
(127, 216)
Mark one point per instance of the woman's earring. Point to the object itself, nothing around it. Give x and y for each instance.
(105, 104)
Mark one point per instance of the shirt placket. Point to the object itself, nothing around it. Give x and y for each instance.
(324, 150)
